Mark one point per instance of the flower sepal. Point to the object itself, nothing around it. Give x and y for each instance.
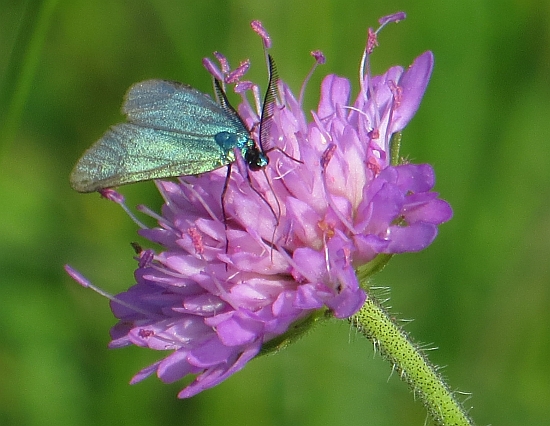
(295, 331)
(367, 270)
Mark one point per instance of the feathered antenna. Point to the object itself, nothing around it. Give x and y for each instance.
(269, 105)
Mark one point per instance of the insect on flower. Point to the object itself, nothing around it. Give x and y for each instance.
(215, 307)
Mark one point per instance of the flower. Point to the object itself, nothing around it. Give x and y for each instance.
(329, 200)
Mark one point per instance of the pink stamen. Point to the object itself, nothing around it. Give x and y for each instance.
(146, 258)
(75, 275)
(319, 60)
(327, 155)
(397, 92)
(212, 68)
(144, 334)
(259, 29)
(374, 165)
(224, 63)
(243, 86)
(235, 75)
(319, 57)
(116, 197)
(112, 195)
(394, 17)
(196, 238)
(372, 41)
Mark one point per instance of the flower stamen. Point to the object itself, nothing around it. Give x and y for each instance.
(235, 75)
(112, 195)
(319, 60)
(80, 279)
(259, 29)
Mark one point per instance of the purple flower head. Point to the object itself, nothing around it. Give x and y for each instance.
(329, 200)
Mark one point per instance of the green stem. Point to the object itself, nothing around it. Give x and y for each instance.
(395, 147)
(374, 322)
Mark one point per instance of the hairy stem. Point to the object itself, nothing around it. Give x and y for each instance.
(374, 322)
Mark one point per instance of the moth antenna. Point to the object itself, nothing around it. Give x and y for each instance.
(269, 105)
(221, 97)
(225, 186)
(219, 92)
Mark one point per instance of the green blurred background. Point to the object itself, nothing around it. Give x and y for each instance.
(480, 292)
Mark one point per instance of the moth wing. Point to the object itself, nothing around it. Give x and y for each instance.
(129, 153)
(173, 106)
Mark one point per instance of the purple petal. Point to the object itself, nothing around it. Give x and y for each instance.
(427, 208)
(237, 330)
(311, 265)
(411, 238)
(413, 84)
(210, 354)
(212, 377)
(144, 373)
(312, 296)
(334, 91)
(175, 367)
(410, 177)
(347, 302)
(284, 306)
